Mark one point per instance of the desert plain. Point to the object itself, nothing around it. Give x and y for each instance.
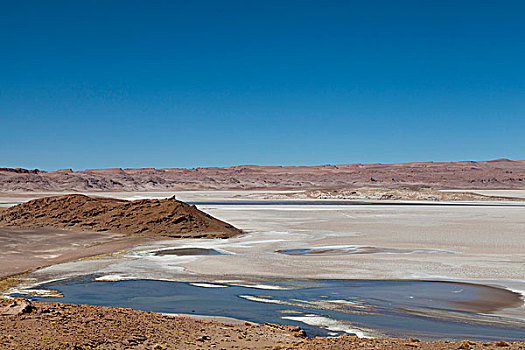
(465, 241)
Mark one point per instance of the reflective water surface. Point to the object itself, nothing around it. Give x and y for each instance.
(424, 309)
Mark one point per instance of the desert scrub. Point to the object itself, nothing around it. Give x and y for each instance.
(501, 343)
(8, 282)
(466, 345)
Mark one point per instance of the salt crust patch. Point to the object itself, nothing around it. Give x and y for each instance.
(331, 324)
(347, 302)
(258, 286)
(45, 293)
(121, 277)
(284, 207)
(208, 285)
(262, 300)
(48, 256)
(114, 277)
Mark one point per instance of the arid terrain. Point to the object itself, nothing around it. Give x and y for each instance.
(62, 326)
(27, 249)
(493, 174)
(165, 217)
(129, 235)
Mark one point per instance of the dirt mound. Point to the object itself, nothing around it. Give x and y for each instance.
(149, 217)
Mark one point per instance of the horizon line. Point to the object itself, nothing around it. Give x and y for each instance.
(257, 165)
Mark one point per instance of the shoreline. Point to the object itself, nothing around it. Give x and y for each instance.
(65, 246)
(483, 308)
(64, 326)
(489, 291)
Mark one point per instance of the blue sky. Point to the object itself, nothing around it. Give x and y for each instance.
(94, 84)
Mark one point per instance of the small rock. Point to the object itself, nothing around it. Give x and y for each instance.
(19, 306)
(203, 338)
(296, 331)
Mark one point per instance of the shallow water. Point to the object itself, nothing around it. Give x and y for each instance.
(355, 249)
(186, 251)
(424, 309)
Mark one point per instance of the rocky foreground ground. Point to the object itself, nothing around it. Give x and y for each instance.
(148, 217)
(493, 174)
(25, 325)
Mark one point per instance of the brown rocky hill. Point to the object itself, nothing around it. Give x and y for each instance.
(165, 217)
(493, 174)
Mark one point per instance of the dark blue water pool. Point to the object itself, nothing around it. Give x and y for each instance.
(428, 310)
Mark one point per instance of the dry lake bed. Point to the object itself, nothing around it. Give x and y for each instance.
(433, 270)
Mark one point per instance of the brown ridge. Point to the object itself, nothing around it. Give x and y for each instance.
(147, 217)
(493, 174)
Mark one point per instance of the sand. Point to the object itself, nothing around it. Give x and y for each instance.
(29, 249)
(26, 250)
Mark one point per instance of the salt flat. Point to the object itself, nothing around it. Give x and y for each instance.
(319, 240)
(431, 241)
(478, 242)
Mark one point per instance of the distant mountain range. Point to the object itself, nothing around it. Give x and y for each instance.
(491, 174)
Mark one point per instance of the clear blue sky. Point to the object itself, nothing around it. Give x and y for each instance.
(94, 84)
